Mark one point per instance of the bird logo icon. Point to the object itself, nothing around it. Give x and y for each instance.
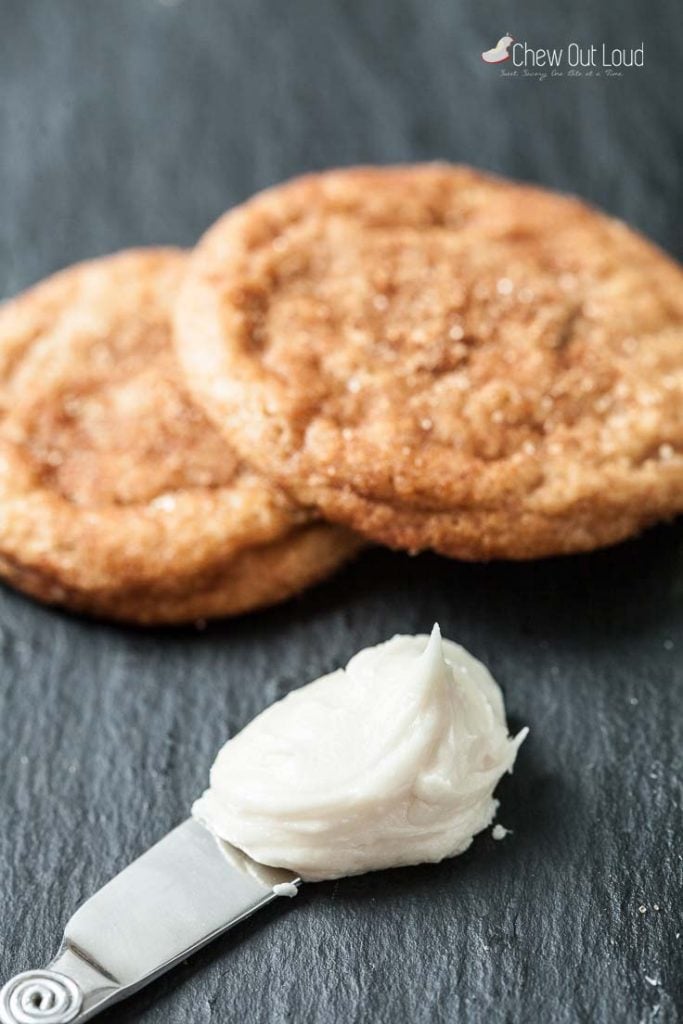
(499, 53)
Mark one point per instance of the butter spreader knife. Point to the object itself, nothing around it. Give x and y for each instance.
(178, 896)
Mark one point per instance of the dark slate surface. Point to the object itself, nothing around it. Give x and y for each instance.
(138, 121)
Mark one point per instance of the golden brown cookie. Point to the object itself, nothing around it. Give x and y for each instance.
(443, 359)
(117, 495)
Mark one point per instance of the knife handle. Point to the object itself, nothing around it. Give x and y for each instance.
(69, 991)
(40, 995)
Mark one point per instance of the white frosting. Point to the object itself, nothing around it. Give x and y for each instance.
(285, 889)
(390, 761)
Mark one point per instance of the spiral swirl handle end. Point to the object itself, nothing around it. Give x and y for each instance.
(40, 997)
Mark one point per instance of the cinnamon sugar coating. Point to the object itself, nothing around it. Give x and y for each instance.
(118, 497)
(443, 359)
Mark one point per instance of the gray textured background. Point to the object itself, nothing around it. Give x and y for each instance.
(135, 121)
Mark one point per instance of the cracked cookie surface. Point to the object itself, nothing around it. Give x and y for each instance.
(118, 497)
(443, 359)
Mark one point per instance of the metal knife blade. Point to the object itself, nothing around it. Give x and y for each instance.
(179, 895)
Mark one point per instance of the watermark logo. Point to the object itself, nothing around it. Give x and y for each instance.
(500, 52)
(573, 60)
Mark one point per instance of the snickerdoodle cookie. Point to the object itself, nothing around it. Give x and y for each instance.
(443, 359)
(117, 496)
